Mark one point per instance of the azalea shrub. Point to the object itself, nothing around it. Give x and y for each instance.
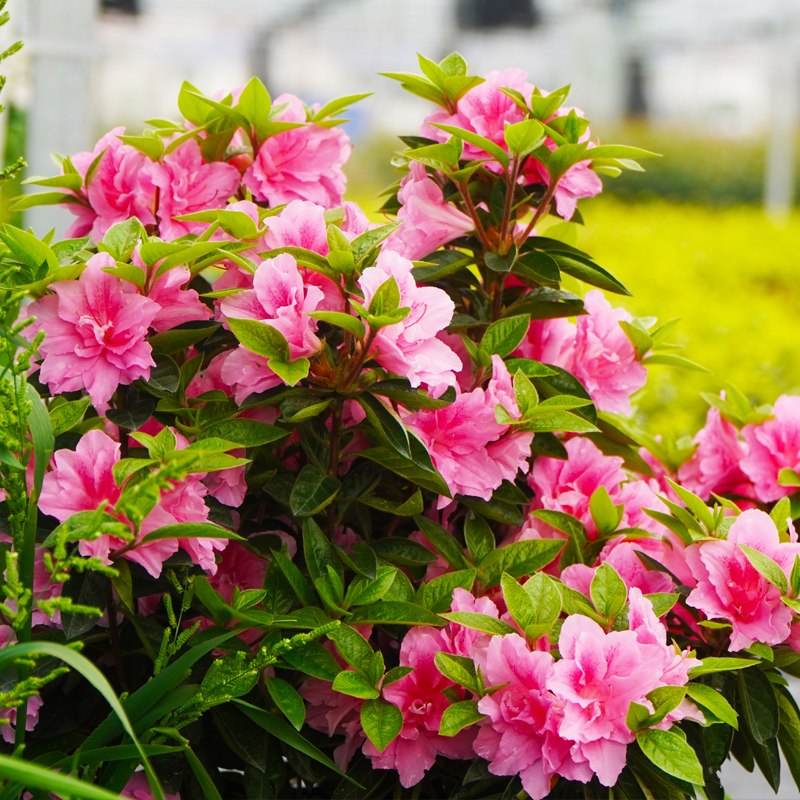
(299, 504)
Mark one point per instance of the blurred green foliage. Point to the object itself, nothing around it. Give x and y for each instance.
(729, 274)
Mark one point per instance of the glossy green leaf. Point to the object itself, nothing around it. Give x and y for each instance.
(670, 753)
(381, 722)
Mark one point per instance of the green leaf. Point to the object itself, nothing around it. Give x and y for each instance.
(228, 677)
(354, 648)
(479, 622)
(438, 594)
(712, 700)
(524, 558)
(364, 591)
(295, 578)
(758, 705)
(255, 103)
(245, 432)
(605, 514)
(481, 142)
(501, 262)
(694, 504)
(505, 335)
(190, 530)
(662, 602)
(284, 733)
(608, 591)
(260, 338)
(178, 339)
(407, 468)
(672, 360)
(386, 424)
(587, 271)
(546, 599)
(670, 753)
(291, 372)
(518, 601)
(68, 415)
(241, 734)
(151, 146)
(443, 543)
(381, 721)
(41, 429)
(314, 660)
(710, 665)
(393, 612)
(121, 239)
(524, 137)
(478, 536)
(459, 716)
(312, 491)
(789, 732)
(403, 552)
(32, 775)
(346, 321)
(288, 701)
(548, 421)
(318, 551)
(766, 567)
(354, 685)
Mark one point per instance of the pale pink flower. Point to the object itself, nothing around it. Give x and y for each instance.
(116, 191)
(228, 485)
(278, 298)
(300, 164)
(605, 359)
(300, 224)
(137, 788)
(551, 341)
(521, 733)
(716, 464)
(774, 445)
(419, 697)
(729, 587)
(459, 438)
(186, 185)
(410, 347)
(178, 303)
(95, 332)
(428, 221)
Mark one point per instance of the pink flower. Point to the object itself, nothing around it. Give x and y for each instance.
(300, 164)
(484, 110)
(419, 697)
(280, 299)
(239, 568)
(300, 224)
(178, 303)
(410, 347)
(579, 181)
(605, 360)
(428, 221)
(464, 439)
(96, 328)
(521, 733)
(716, 464)
(137, 788)
(729, 587)
(568, 486)
(187, 184)
(116, 191)
(774, 445)
(551, 341)
(228, 485)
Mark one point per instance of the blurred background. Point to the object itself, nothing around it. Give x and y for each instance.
(707, 234)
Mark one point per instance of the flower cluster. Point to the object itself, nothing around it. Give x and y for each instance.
(282, 464)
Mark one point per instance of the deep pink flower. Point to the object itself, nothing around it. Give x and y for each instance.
(300, 164)
(116, 191)
(716, 464)
(187, 184)
(605, 360)
(137, 788)
(96, 328)
(239, 568)
(410, 348)
(521, 733)
(280, 299)
(428, 221)
(774, 445)
(419, 697)
(729, 587)
(228, 485)
(459, 438)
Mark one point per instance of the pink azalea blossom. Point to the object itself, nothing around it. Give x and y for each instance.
(459, 438)
(521, 735)
(428, 221)
(484, 110)
(280, 299)
(419, 697)
(729, 587)
(178, 303)
(410, 347)
(551, 341)
(716, 464)
(186, 185)
(238, 568)
(116, 191)
(95, 332)
(300, 164)
(578, 182)
(605, 360)
(300, 224)
(773, 445)
(137, 788)
(228, 485)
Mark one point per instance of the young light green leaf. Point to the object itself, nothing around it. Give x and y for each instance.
(712, 700)
(608, 591)
(458, 716)
(288, 701)
(260, 338)
(670, 753)
(766, 567)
